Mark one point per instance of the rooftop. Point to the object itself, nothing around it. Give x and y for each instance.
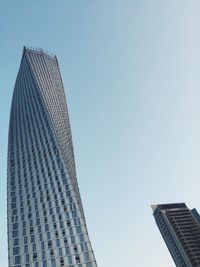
(38, 51)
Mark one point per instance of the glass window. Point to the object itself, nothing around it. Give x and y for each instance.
(16, 251)
(53, 263)
(17, 260)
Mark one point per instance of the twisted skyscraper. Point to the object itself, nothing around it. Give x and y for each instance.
(46, 223)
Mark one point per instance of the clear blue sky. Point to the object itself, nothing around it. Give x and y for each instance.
(131, 71)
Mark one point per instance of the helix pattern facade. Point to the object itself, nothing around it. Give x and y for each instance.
(46, 223)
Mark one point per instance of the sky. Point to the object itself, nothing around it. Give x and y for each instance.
(131, 75)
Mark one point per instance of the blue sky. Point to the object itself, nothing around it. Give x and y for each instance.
(131, 74)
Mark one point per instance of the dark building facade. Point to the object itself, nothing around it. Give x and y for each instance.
(46, 223)
(180, 230)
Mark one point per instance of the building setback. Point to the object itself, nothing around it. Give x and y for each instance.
(46, 223)
(180, 230)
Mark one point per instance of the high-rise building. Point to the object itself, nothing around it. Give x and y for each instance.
(46, 223)
(180, 230)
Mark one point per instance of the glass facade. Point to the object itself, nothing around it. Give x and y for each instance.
(180, 230)
(46, 223)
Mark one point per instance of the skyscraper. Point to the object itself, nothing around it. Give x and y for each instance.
(46, 223)
(180, 230)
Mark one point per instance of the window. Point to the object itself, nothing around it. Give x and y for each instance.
(61, 262)
(16, 242)
(43, 256)
(49, 244)
(34, 256)
(26, 249)
(16, 251)
(53, 263)
(15, 233)
(77, 257)
(27, 257)
(17, 260)
(60, 252)
(86, 256)
(32, 239)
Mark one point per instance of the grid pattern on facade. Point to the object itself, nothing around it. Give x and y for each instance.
(46, 224)
(187, 231)
(169, 240)
(180, 229)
